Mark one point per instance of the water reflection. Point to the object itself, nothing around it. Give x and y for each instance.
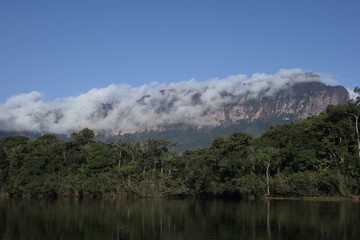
(177, 219)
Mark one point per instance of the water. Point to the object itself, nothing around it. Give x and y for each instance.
(177, 219)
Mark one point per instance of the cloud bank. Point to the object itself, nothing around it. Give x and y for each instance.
(122, 108)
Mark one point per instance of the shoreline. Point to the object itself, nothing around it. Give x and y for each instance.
(354, 198)
(310, 198)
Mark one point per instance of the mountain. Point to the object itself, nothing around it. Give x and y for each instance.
(191, 113)
(248, 114)
(299, 101)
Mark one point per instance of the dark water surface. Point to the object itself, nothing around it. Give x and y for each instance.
(177, 219)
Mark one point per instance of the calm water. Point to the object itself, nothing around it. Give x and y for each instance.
(177, 219)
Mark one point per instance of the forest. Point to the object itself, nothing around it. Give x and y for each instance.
(317, 156)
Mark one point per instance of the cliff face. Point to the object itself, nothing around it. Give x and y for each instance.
(291, 103)
(296, 102)
(190, 117)
(122, 110)
(249, 113)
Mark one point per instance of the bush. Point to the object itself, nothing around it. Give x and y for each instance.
(280, 185)
(305, 183)
(251, 184)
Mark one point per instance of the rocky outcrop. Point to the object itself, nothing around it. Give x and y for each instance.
(296, 102)
(118, 110)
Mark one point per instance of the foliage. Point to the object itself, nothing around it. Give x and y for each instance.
(317, 156)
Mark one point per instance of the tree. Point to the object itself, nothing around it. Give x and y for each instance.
(13, 151)
(122, 152)
(265, 156)
(152, 154)
(305, 160)
(11, 155)
(51, 149)
(355, 112)
(84, 136)
(199, 173)
(230, 158)
(285, 142)
(98, 158)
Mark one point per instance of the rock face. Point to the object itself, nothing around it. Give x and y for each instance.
(192, 117)
(296, 102)
(250, 114)
(120, 110)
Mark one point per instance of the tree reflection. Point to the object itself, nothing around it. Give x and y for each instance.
(177, 219)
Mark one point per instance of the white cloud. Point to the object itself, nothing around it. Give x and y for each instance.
(125, 108)
(352, 94)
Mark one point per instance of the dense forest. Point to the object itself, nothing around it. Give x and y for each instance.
(317, 156)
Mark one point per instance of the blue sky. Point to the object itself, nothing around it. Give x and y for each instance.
(65, 48)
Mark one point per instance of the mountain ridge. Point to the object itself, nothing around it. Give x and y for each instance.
(248, 112)
(300, 100)
(253, 116)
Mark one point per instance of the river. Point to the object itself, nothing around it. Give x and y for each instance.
(177, 219)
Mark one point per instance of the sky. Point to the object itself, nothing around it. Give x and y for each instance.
(65, 48)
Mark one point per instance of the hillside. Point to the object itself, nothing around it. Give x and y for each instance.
(316, 156)
(247, 114)
(190, 117)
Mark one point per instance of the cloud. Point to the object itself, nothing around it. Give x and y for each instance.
(122, 108)
(352, 94)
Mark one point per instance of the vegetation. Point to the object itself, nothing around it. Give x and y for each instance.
(318, 156)
(190, 137)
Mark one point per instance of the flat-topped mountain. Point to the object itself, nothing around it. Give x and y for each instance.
(217, 107)
(298, 101)
(252, 115)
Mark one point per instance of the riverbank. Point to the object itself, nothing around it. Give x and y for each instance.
(355, 198)
(4, 194)
(314, 198)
